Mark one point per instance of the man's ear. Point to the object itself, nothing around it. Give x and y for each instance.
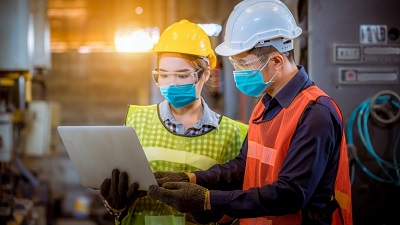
(278, 61)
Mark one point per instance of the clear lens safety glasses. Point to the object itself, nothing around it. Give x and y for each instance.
(175, 78)
(257, 63)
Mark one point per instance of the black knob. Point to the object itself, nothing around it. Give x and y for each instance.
(394, 34)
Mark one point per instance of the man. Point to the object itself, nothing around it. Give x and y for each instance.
(293, 166)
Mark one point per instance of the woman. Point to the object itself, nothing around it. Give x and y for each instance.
(181, 134)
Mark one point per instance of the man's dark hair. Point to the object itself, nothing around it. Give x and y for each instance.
(269, 49)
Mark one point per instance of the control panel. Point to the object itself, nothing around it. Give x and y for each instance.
(377, 57)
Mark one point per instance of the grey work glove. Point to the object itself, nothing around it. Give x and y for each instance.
(164, 177)
(184, 197)
(118, 194)
(206, 216)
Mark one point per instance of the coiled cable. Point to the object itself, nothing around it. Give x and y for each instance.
(360, 116)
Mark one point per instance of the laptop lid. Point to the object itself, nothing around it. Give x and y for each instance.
(96, 150)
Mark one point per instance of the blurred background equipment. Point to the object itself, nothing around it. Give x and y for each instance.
(355, 58)
(24, 52)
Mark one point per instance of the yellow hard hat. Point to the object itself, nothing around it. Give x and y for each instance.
(188, 38)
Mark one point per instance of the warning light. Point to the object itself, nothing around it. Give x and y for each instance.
(350, 75)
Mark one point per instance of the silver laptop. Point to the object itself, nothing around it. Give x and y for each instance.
(96, 150)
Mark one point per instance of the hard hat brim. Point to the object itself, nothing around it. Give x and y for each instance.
(224, 50)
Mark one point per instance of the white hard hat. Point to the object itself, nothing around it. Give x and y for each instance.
(258, 23)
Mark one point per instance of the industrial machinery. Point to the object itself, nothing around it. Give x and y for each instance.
(355, 58)
(24, 53)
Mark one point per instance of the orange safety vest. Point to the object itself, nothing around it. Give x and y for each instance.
(268, 143)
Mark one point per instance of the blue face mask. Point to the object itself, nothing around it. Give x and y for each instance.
(179, 95)
(251, 82)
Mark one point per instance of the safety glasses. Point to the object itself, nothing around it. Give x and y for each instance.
(175, 78)
(256, 63)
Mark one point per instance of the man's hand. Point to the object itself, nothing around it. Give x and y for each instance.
(164, 177)
(118, 194)
(183, 196)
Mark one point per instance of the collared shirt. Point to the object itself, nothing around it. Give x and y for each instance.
(312, 182)
(209, 120)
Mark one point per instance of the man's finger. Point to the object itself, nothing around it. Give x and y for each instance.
(166, 195)
(158, 174)
(163, 177)
(160, 177)
(174, 185)
(183, 196)
(158, 193)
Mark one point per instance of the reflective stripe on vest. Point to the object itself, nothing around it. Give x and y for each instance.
(164, 154)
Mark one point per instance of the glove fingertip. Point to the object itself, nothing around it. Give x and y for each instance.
(158, 174)
(160, 182)
(132, 190)
(171, 185)
(115, 173)
(153, 187)
(105, 187)
(153, 190)
(123, 184)
(114, 180)
(123, 178)
(124, 174)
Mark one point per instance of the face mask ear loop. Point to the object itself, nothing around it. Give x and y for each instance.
(265, 64)
(276, 72)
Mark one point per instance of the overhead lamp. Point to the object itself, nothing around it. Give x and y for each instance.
(133, 40)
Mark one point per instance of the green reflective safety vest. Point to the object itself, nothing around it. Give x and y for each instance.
(167, 151)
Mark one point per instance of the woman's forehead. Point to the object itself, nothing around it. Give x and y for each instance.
(173, 61)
